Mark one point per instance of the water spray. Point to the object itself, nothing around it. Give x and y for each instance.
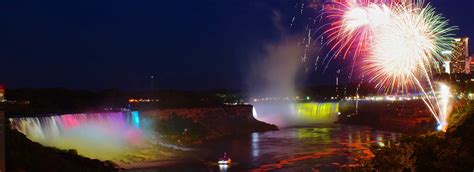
(444, 95)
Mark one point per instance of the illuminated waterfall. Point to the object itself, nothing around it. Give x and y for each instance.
(106, 136)
(317, 112)
(254, 113)
(294, 114)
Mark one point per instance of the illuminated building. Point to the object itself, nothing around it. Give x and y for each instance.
(447, 67)
(460, 60)
(2, 93)
(472, 63)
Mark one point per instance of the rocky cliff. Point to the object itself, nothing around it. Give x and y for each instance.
(25, 155)
(197, 125)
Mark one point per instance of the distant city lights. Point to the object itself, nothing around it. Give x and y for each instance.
(143, 100)
(296, 98)
(470, 96)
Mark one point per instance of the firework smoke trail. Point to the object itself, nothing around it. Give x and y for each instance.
(399, 43)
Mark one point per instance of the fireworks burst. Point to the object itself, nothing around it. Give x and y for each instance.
(399, 43)
(406, 48)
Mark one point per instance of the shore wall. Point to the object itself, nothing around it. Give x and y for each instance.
(410, 117)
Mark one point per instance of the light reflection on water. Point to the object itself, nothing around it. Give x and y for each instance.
(255, 142)
(325, 147)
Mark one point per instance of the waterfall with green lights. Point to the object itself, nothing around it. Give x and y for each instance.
(296, 114)
(317, 112)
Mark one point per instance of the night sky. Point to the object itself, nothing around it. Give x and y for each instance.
(187, 44)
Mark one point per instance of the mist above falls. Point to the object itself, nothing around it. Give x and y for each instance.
(277, 72)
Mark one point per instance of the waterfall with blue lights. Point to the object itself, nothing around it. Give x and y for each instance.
(105, 136)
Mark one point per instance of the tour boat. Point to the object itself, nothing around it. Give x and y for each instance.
(224, 160)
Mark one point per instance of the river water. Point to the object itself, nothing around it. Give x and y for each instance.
(321, 147)
(110, 135)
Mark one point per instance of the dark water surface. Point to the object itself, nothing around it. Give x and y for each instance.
(322, 147)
